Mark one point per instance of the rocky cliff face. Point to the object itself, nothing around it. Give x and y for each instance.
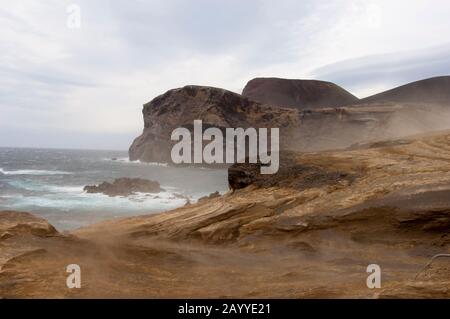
(300, 130)
(298, 94)
(314, 130)
(215, 107)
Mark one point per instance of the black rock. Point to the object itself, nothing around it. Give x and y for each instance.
(125, 187)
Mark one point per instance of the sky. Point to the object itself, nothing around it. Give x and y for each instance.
(81, 83)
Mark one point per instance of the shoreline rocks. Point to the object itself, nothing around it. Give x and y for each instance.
(210, 196)
(125, 187)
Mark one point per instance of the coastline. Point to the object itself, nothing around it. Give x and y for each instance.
(283, 237)
(50, 184)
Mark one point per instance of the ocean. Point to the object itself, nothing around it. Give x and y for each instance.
(49, 183)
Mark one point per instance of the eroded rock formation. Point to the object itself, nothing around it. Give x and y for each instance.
(215, 107)
(309, 231)
(301, 129)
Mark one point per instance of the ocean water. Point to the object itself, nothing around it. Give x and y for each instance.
(49, 183)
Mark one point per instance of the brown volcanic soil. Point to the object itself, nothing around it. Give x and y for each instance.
(298, 94)
(433, 90)
(309, 231)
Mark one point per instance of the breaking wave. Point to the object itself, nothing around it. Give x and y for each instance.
(33, 172)
(127, 161)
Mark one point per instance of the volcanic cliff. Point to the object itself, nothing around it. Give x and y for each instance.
(215, 107)
(300, 130)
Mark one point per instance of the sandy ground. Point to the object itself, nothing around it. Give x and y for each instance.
(310, 234)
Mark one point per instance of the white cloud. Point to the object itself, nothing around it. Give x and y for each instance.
(372, 74)
(96, 78)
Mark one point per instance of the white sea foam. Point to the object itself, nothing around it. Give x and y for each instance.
(63, 189)
(81, 201)
(119, 159)
(33, 172)
(127, 161)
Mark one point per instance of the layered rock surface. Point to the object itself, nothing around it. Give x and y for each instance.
(215, 107)
(309, 231)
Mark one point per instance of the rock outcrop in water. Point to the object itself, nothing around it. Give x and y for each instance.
(125, 187)
(298, 94)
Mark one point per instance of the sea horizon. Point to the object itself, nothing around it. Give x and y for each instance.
(65, 148)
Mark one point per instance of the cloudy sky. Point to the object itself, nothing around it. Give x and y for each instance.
(68, 87)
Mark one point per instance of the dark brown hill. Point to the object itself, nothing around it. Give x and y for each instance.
(299, 94)
(433, 90)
